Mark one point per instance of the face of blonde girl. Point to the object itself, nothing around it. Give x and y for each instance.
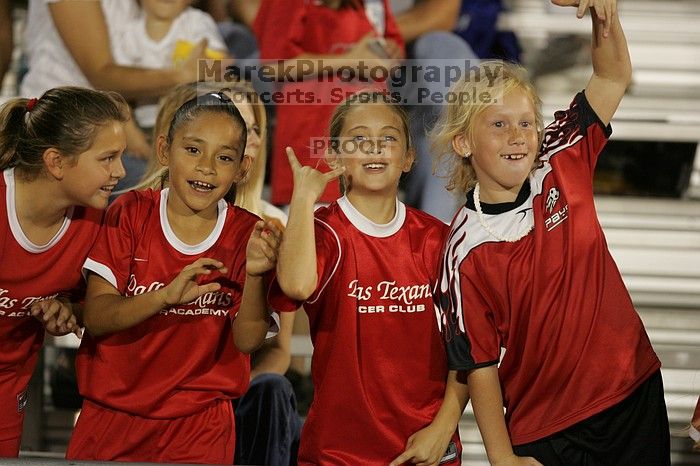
(89, 181)
(165, 10)
(504, 147)
(204, 160)
(253, 136)
(373, 150)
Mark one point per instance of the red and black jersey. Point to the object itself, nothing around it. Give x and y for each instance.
(30, 273)
(378, 366)
(554, 300)
(177, 362)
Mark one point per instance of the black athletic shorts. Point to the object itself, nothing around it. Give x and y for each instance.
(633, 432)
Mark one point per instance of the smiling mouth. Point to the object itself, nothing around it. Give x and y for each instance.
(514, 156)
(374, 165)
(201, 186)
(108, 189)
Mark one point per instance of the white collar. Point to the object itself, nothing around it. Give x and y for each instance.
(179, 245)
(367, 226)
(15, 227)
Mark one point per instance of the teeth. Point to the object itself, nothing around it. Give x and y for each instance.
(374, 165)
(514, 156)
(201, 185)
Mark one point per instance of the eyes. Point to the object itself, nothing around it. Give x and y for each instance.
(108, 159)
(525, 124)
(387, 138)
(222, 156)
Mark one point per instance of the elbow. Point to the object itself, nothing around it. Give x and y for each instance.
(626, 78)
(244, 340)
(296, 289)
(246, 345)
(295, 285)
(92, 324)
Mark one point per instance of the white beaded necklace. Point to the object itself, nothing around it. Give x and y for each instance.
(482, 221)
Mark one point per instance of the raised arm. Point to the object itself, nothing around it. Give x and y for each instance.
(296, 267)
(253, 319)
(612, 68)
(83, 29)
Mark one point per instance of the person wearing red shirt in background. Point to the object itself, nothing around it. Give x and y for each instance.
(340, 32)
(60, 157)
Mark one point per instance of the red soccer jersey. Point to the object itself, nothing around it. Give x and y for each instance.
(378, 365)
(179, 361)
(286, 29)
(554, 300)
(28, 274)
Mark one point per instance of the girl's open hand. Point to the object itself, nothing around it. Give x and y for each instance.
(263, 247)
(184, 288)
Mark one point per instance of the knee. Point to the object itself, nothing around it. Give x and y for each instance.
(271, 384)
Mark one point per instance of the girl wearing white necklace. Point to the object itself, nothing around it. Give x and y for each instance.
(526, 269)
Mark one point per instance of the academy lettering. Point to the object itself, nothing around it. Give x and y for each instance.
(181, 311)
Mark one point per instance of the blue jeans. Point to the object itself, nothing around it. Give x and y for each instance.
(268, 427)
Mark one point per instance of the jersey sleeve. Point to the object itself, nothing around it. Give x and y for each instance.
(279, 28)
(471, 336)
(327, 263)
(111, 255)
(577, 127)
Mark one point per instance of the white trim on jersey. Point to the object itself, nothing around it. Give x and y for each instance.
(180, 246)
(274, 328)
(368, 227)
(101, 270)
(693, 433)
(15, 227)
(337, 263)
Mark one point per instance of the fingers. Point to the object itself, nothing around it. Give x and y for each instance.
(393, 50)
(208, 288)
(205, 265)
(402, 458)
(293, 161)
(582, 7)
(201, 46)
(333, 174)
